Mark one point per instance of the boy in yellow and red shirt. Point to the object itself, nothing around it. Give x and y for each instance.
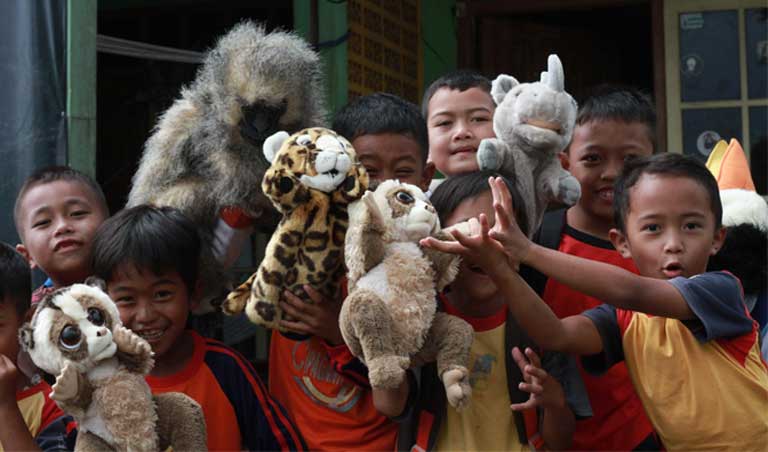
(690, 346)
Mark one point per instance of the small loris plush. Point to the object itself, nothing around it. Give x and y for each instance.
(389, 317)
(100, 365)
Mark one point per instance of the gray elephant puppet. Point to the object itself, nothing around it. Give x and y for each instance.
(533, 123)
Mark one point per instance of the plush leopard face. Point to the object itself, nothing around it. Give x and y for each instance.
(312, 160)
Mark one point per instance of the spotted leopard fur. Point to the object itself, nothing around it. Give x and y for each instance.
(307, 247)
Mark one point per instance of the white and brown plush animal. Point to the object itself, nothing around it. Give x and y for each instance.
(76, 335)
(533, 123)
(314, 176)
(205, 155)
(389, 317)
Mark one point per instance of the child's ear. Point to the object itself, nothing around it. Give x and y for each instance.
(718, 240)
(564, 160)
(426, 176)
(21, 249)
(620, 242)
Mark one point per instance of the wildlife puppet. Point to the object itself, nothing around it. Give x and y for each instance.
(76, 335)
(313, 177)
(533, 123)
(205, 154)
(389, 317)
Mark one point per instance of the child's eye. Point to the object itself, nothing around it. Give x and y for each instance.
(41, 223)
(479, 119)
(442, 124)
(652, 228)
(80, 213)
(691, 226)
(404, 172)
(124, 300)
(591, 158)
(163, 294)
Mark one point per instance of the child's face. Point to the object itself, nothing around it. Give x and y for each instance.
(595, 157)
(670, 227)
(457, 121)
(58, 221)
(153, 306)
(472, 284)
(393, 156)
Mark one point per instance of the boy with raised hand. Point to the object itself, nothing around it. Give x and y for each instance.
(688, 341)
(519, 401)
(30, 419)
(148, 256)
(318, 380)
(613, 124)
(57, 212)
(458, 108)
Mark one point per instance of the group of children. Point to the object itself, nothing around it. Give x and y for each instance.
(671, 362)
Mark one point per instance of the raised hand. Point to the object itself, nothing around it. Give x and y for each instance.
(505, 229)
(544, 390)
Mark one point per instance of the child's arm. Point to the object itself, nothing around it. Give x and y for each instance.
(558, 421)
(605, 282)
(392, 402)
(14, 433)
(575, 334)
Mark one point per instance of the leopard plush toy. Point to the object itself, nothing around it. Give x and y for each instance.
(314, 175)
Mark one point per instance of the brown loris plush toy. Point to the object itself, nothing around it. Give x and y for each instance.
(205, 155)
(389, 318)
(76, 335)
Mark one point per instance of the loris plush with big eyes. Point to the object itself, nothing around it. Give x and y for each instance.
(390, 316)
(76, 335)
(205, 155)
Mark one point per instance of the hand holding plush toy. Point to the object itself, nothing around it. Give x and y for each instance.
(100, 365)
(533, 123)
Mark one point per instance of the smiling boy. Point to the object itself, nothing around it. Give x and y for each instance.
(57, 212)
(458, 108)
(148, 257)
(688, 341)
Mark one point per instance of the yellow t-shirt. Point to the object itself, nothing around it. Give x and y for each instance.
(488, 423)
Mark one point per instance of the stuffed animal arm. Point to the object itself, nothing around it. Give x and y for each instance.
(389, 318)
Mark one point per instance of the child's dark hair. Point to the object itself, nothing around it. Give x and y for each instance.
(382, 113)
(15, 279)
(454, 190)
(50, 174)
(160, 239)
(619, 103)
(461, 80)
(666, 164)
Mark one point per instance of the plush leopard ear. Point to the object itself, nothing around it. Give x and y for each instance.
(273, 143)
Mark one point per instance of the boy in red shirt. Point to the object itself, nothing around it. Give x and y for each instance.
(148, 256)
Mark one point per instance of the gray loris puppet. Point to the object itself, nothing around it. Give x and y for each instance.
(205, 155)
(389, 318)
(76, 335)
(533, 123)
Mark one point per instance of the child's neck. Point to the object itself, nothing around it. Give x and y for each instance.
(176, 358)
(582, 221)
